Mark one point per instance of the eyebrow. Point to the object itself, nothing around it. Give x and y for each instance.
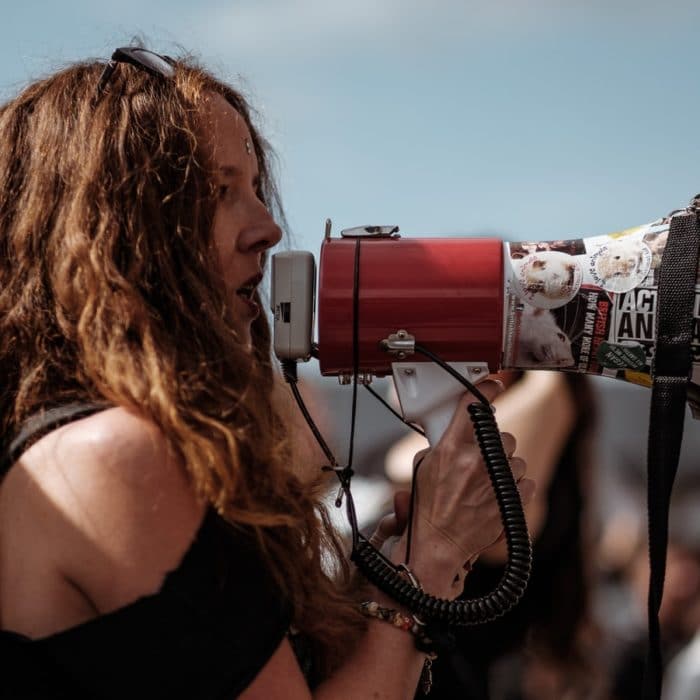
(235, 171)
(230, 170)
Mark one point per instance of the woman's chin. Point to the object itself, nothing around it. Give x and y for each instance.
(246, 340)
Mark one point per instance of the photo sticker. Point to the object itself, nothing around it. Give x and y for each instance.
(620, 266)
(547, 280)
(541, 342)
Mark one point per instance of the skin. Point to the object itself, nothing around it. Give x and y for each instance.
(243, 228)
(95, 514)
(538, 399)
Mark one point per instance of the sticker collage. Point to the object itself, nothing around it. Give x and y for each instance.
(588, 304)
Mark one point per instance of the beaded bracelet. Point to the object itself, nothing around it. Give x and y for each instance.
(410, 624)
(395, 617)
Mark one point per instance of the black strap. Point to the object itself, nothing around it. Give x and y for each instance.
(671, 369)
(41, 424)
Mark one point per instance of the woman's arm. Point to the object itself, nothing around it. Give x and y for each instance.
(456, 518)
(129, 508)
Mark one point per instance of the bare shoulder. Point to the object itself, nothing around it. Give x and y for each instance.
(122, 510)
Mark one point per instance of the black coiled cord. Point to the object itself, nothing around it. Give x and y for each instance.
(383, 574)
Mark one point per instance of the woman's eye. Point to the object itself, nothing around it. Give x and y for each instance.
(223, 191)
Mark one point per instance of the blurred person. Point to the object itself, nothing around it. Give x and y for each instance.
(155, 538)
(679, 620)
(623, 552)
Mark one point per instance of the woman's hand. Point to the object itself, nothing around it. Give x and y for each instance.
(456, 515)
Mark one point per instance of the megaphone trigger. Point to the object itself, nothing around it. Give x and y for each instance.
(429, 396)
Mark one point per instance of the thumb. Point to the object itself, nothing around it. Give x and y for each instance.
(393, 524)
(402, 506)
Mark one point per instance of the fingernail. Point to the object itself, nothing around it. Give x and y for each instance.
(496, 382)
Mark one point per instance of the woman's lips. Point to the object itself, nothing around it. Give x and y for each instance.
(246, 293)
(252, 306)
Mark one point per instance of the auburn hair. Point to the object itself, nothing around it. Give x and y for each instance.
(107, 292)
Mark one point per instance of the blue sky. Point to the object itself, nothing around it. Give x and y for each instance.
(505, 118)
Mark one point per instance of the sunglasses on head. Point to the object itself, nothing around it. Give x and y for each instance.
(151, 62)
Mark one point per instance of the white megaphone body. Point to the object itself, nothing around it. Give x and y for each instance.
(578, 305)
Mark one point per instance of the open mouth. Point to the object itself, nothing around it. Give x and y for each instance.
(247, 290)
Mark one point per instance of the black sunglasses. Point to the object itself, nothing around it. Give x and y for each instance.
(151, 62)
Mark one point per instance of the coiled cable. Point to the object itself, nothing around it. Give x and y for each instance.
(382, 572)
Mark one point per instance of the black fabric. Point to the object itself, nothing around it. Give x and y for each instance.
(670, 371)
(43, 423)
(206, 634)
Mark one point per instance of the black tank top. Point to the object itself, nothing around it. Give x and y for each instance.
(206, 633)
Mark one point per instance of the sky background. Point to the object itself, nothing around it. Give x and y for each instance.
(522, 120)
(519, 120)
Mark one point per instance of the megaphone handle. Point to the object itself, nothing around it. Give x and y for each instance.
(436, 421)
(429, 396)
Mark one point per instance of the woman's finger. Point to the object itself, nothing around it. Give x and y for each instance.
(527, 488)
(393, 524)
(518, 466)
(419, 456)
(402, 506)
(509, 443)
(385, 529)
(460, 428)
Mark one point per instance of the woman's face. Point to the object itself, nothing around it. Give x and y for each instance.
(243, 227)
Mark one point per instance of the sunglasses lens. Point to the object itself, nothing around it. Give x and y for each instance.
(153, 61)
(141, 58)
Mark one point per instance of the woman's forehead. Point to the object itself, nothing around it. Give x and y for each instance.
(226, 132)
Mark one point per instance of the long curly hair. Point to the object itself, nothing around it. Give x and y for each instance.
(107, 292)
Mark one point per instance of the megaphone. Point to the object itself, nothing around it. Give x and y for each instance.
(415, 307)
(482, 304)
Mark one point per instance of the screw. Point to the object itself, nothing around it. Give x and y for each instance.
(409, 372)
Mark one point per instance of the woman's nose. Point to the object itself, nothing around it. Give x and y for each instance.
(261, 233)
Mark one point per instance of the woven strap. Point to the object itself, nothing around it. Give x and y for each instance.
(670, 371)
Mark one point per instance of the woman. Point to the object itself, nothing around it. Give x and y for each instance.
(154, 541)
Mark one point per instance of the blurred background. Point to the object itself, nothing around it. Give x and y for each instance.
(524, 121)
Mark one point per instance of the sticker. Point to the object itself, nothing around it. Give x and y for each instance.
(656, 240)
(620, 266)
(548, 279)
(572, 246)
(540, 341)
(621, 355)
(627, 232)
(639, 378)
